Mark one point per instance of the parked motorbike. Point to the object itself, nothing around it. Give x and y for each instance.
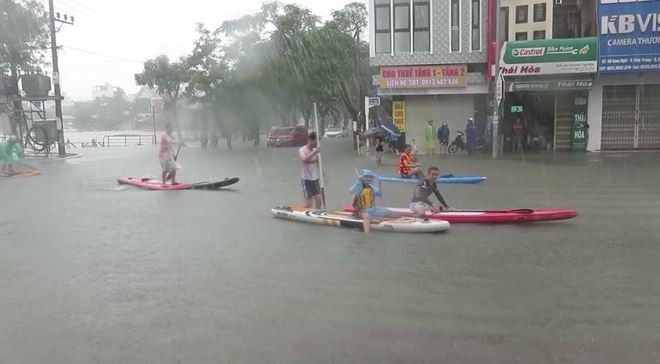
(458, 143)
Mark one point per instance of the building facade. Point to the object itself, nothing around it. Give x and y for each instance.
(431, 61)
(624, 108)
(579, 74)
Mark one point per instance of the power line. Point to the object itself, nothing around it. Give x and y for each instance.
(101, 18)
(98, 20)
(101, 54)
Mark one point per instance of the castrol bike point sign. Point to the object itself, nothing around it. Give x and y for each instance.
(549, 57)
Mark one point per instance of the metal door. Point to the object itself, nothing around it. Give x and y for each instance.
(620, 112)
(649, 120)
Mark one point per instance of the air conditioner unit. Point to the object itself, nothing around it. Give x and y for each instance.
(558, 2)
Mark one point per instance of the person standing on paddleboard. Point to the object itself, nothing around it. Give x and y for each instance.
(364, 192)
(309, 158)
(167, 154)
(421, 202)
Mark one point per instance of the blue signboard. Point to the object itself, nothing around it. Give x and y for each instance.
(629, 36)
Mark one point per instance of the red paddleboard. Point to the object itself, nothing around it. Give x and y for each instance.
(492, 216)
(158, 185)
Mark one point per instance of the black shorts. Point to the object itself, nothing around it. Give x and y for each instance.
(311, 188)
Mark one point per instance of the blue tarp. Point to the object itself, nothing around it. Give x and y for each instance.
(392, 131)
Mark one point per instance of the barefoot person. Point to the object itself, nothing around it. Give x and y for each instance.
(10, 151)
(421, 202)
(309, 158)
(364, 192)
(167, 154)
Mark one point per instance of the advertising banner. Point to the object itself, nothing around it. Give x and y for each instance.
(629, 36)
(449, 76)
(549, 56)
(399, 115)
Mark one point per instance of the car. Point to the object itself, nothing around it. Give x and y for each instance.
(292, 136)
(336, 133)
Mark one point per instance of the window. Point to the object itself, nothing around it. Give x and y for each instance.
(476, 25)
(539, 34)
(539, 12)
(521, 36)
(521, 14)
(455, 26)
(382, 22)
(504, 30)
(422, 26)
(401, 26)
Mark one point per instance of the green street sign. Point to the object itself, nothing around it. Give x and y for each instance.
(549, 85)
(549, 56)
(516, 108)
(551, 50)
(580, 130)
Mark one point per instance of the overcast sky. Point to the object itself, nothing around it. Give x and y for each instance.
(135, 30)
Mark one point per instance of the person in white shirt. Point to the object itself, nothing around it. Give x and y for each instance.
(309, 158)
(167, 154)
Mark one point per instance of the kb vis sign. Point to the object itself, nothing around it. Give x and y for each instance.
(629, 35)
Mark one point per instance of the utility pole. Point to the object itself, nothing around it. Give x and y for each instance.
(56, 75)
(497, 100)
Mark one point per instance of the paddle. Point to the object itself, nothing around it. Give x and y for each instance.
(515, 211)
(318, 140)
(176, 156)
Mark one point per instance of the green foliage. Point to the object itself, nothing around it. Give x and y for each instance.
(270, 67)
(24, 35)
(103, 113)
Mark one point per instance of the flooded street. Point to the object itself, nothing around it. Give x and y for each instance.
(94, 272)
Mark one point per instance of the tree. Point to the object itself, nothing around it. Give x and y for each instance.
(169, 78)
(352, 20)
(23, 38)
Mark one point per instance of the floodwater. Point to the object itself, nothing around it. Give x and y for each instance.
(93, 272)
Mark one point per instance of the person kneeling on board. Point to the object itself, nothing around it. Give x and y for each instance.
(364, 192)
(421, 203)
(10, 151)
(407, 167)
(167, 154)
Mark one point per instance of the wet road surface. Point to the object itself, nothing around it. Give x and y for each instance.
(93, 272)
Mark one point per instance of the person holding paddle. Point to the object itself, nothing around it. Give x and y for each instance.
(9, 153)
(168, 154)
(309, 159)
(407, 167)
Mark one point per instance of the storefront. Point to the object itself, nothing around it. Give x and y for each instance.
(625, 100)
(443, 93)
(547, 85)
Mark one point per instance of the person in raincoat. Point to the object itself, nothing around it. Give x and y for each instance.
(10, 151)
(364, 191)
(430, 137)
(443, 138)
(470, 136)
